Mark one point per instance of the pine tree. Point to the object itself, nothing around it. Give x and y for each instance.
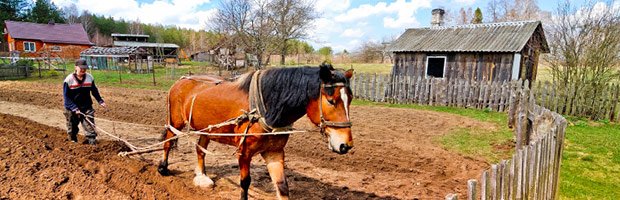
(477, 16)
(45, 11)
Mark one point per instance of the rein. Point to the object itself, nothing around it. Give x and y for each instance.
(325, 123)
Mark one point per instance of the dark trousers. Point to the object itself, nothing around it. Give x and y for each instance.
(74, 119)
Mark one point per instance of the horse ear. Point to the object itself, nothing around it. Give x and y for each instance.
(348, 73)
(325, 73)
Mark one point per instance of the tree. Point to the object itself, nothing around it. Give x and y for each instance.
(246, 25)
(45, 11)
(584, 47)
(292, 19)
(370, 51)
(463, 17)
(14, 10)
(326, 52)
(477, 19)
(71, 14)
(514, 10)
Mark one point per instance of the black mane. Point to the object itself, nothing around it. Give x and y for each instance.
(287, 91)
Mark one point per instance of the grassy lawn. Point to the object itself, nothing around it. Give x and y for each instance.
(590, 163)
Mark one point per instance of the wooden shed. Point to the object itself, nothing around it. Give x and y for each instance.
(481, 52)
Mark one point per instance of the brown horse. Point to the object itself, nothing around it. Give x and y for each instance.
(280, 96)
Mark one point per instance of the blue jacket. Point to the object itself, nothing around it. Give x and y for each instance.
(77, 93)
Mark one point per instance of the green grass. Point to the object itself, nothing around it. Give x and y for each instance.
(591, 161)
(164, 77)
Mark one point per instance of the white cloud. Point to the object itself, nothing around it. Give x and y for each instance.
(182, 13)
(332, 6)
(398, 14)
(352, 33)
(464, 3)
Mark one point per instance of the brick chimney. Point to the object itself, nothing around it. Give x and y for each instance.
(437, 19)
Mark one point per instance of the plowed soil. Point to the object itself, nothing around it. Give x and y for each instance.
(394, 155)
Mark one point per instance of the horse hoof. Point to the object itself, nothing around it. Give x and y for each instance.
(203, 181)
(163, 170)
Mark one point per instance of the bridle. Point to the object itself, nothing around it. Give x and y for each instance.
(258, 106)
(324, 123)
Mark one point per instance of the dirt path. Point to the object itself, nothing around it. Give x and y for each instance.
(394, 156)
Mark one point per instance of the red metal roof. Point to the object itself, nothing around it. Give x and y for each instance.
(52, 33)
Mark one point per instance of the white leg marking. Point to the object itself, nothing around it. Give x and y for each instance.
(345, 100)
(202, 180)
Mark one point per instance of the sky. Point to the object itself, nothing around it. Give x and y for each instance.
(343, 24)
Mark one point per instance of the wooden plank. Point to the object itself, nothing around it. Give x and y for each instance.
(503, 180)
(484, 188)
(471, 189)
(519, 174)
(451, 197)
(614, 115)
(432, 91)
(494, 183)
(466, 92)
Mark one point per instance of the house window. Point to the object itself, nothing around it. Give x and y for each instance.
(30, 47)
(55, 48)
(435, 66)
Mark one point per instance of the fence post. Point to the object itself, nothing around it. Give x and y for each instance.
(451, 197)
(471, 189)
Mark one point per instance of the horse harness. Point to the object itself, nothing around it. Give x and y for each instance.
(257, 111)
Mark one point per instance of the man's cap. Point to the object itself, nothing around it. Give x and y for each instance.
(81, 63)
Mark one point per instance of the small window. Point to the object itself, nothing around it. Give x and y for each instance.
(30, 47)
(55, 48)
(435, 66)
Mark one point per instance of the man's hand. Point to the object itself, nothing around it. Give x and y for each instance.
(77, 112)
(103, 105)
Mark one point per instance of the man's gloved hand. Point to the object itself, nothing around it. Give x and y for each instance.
(103, 105)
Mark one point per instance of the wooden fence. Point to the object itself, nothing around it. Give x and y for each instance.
(595, 103)
(13, 72)
(534, 169)
(485, 95)
(532, 172)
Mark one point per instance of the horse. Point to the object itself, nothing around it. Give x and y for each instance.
(261, 102)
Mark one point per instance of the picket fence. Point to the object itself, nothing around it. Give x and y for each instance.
(486, 95)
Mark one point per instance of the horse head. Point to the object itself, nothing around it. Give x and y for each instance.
(331, 110)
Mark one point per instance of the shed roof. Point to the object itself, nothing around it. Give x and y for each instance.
(128, 35)
(112, 51)
(144, 44)
(491, 37)
(52, 33)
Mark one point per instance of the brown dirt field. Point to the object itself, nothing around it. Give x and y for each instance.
(394, 156)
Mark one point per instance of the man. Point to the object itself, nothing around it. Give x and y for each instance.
(78, 104)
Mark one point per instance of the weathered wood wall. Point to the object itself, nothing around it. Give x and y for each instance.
(468, 66)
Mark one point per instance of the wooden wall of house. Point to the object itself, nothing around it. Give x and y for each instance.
(470, 66)
(67, 51)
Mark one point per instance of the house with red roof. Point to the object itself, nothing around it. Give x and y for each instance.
(42, 40)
